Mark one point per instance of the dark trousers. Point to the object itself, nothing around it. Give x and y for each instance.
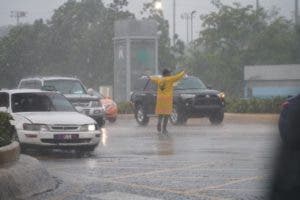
(162, 119)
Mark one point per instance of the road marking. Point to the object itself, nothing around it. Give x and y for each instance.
(162, 171)
(183, 193)
(213, 187)
(76, 190)
(119, 196)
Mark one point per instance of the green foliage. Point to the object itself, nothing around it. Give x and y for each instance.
(254, 105)
(235, 36)
(168, 56)
(6, 129)
(125, 108)
(77, 40)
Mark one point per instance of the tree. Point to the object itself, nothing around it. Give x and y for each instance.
(168, 56)
(77, 40)
(235, 36)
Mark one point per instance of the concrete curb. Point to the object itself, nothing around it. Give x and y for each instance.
(9, 153)
(24, 178)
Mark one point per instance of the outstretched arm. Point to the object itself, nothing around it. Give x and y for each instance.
(154, 79)
(176, 77)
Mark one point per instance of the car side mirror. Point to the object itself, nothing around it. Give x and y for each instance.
(3, 109)
(209, 87)
(90, 92)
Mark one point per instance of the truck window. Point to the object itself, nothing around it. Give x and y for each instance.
(151, 86)
(66, 86)
(140, 84)
(32, 84)
(4, 99)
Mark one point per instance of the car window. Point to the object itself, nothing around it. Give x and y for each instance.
(40, 102)
(4, 102)
(66, 86)
(190, 83)
(28, 84)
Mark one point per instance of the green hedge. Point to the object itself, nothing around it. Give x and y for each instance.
(254, 105)
(233, 105)
(6, 129)
(125, 108)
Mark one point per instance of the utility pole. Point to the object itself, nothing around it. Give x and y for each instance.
(192, 24)
(174, 21)
(297, 23)
(257, 5)
(18, 14)
(186, 16)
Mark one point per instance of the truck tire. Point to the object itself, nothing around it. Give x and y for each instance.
(217, 117)
(176, 117)
(141, 115)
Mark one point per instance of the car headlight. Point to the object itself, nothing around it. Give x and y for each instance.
(88, 127)
(187, 96)
(35, 127)
(221, 95)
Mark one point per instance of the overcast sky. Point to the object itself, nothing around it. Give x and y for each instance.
(44, 9)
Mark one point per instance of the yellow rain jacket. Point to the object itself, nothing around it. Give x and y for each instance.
(164, 99)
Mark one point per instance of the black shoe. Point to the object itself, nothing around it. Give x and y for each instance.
(159, 128)
(165, 131)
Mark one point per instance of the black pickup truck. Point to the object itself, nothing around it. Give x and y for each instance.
(192, 99)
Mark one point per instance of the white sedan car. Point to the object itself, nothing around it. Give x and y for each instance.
(47, 119)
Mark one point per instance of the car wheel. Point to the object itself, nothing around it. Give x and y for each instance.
(177, 118)
(141, 115)
(112, 120)
(100, 121)
(217, 117)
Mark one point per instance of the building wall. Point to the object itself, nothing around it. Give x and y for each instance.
(263, 89)
(271, 80)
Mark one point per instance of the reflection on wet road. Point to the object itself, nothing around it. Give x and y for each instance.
(196, 161)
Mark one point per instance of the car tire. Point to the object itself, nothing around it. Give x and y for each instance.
(217, 117)
(112, 120)
(141, 115)
(177, 118)
(101, 122)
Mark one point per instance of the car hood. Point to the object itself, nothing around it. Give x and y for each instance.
(56, 118)
(81, 97)
(198, 91)
(107, 101)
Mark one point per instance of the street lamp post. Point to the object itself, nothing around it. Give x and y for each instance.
(18, 14)
(186, 17)
(297, 13)
(192, 29)
(174, 21)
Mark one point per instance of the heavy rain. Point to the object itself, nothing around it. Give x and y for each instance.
(149, 99)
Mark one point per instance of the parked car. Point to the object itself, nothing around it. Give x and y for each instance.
(73, 89)
(48, 119)
(191, 99)
(110, 107)
(289, 126)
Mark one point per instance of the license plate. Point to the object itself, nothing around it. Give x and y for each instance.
(66, 136)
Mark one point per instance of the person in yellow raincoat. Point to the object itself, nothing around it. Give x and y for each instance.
(164, 99)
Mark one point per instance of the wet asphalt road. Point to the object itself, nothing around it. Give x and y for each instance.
(196, 161)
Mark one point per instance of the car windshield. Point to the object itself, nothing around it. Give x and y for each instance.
(40, 102)
(66, 86)
(190, 83)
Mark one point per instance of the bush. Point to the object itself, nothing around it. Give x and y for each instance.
(125, 108)
(6, 129)
(254, 105)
